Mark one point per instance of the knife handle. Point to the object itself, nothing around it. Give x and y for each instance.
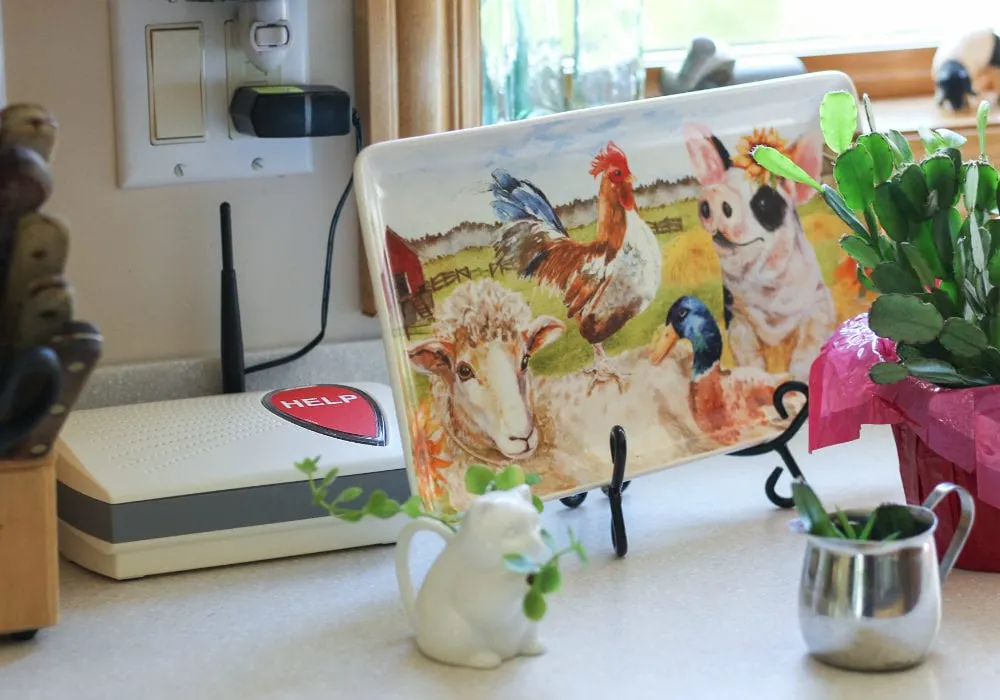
(78, 346)
(40, 247)
(44, 311)
(29, 386)
(39, 250)
(25, 180)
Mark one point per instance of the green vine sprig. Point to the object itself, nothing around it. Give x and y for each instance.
(379, 505)
(887, 522)
(543, 578)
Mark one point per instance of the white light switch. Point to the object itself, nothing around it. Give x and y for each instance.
(176, 83)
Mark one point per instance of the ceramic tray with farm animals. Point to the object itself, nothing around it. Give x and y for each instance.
(542, 281)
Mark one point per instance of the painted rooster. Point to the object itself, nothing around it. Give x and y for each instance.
(604, 282)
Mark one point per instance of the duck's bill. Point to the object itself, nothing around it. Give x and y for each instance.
(663, 343)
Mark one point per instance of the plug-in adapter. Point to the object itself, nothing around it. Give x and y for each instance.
(291, 111)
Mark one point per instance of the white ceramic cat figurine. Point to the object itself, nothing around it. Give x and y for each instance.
(468, 610)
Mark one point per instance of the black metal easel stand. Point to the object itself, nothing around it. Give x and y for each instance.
(780, 443)
(619, 455)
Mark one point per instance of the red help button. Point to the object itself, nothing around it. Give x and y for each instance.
(341, 412)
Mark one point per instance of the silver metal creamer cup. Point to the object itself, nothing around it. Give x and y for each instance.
(876, 606)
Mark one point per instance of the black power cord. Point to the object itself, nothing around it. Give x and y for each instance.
(325, 303)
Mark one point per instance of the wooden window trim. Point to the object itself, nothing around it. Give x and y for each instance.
(884, 74)
(417, 71)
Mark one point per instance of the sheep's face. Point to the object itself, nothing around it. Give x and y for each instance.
(488, 382)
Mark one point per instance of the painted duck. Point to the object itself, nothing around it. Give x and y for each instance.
(724, 401)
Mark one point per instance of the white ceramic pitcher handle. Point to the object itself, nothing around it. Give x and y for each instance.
(403, 560)
(965, 521)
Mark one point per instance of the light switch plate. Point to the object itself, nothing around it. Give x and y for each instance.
(223, 154)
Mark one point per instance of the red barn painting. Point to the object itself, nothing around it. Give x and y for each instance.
(415, 300)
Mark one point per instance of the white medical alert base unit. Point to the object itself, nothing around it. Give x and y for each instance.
(192, 483)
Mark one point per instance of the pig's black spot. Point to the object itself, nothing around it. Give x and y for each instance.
(727, 306)
(768, 208)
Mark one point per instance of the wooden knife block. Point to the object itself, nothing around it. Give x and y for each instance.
(29, 546)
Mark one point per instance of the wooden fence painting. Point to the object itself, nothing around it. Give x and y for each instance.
(497, 268)
(446, 279)
(671, 224)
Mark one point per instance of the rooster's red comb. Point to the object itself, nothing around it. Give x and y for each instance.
(609, 158)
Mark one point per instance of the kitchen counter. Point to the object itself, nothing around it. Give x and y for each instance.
(703, 606)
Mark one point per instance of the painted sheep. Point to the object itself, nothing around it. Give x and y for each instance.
(478, 364)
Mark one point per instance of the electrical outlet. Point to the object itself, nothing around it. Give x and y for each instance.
(240, 71)
(176, 146)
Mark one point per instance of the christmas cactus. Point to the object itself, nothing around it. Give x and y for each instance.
(925, 237)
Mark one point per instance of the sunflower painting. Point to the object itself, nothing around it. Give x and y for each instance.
(758, 137)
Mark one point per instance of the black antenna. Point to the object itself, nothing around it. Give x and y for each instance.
(231, 345)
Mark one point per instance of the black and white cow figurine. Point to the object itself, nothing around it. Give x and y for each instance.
(965, 65)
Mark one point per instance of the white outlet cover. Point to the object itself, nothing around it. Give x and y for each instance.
(222, 155)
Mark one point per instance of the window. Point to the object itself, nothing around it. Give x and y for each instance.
(885, 45)
(805, 28)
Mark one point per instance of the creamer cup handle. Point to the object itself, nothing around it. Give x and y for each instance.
(403, 579)
(965, 521)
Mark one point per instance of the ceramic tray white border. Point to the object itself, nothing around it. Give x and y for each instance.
(772, 273)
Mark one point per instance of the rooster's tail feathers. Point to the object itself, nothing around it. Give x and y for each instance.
(515, 199)
(525, 245)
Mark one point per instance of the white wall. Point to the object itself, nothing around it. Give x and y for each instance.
(3, 73)
(145, 263)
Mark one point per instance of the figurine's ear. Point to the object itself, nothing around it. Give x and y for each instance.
(477, 510)
(524, 491)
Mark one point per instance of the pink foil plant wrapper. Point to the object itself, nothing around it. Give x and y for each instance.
(961, 425)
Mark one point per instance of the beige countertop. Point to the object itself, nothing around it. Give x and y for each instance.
(703, 606)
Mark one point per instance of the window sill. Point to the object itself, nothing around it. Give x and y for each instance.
(881, 74)
(907, 114)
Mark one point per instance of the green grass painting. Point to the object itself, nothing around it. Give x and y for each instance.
(690, 267)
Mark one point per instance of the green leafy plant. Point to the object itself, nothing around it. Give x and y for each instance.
(925, 236)
(379, 505)
(889, 521)
(542, 578)
(480, 480)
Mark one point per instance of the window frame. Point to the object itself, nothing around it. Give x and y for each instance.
(881, 74)
(416, 72)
